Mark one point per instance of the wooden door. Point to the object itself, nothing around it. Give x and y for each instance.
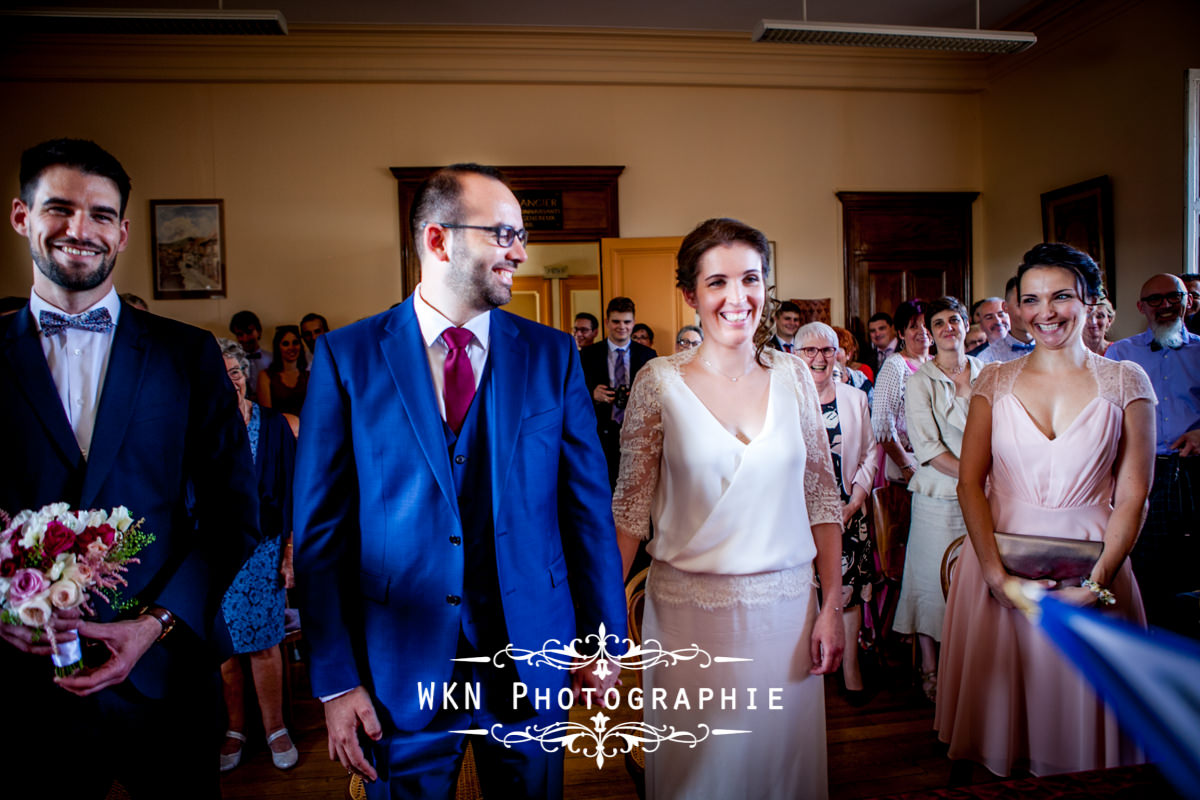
(644, 270)
(577, 294)
(904, 245)
(531, 298)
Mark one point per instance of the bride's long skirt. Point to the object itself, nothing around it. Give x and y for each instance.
(778, 752)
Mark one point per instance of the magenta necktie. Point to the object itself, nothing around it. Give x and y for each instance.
(459, 387)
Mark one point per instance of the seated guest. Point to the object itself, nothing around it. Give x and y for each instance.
(887, 409)
(1192, 319)
(585, 329)
(284, 383)
(1168, 550)
(643, 335)
(787, 322)
(253, 606)
(246, 328)
(311, 326)
(689, 337)
(132, 299)
(1100, 319)
(1058, 444)
(976, 339)
(997, 324)
(855, 460)
(935, 404)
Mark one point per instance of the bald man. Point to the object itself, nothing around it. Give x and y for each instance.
(1167, 556)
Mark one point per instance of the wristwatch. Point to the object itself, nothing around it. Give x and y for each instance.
(164, 617)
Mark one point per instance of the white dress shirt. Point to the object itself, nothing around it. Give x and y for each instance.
(432, 324)
(78, 362)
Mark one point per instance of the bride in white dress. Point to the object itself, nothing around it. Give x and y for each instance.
(723, 448)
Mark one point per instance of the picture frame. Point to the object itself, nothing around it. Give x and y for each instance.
(1081, 215)
(187, 248)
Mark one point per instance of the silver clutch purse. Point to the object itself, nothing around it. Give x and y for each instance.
(1039, 558)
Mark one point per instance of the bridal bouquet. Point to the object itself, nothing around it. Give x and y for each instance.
(56, 558)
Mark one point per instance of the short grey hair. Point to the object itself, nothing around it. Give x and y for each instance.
(231, 349)
(693, 328)
(818, 330)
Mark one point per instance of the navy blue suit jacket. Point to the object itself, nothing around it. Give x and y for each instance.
(378, 529)
(169, 444)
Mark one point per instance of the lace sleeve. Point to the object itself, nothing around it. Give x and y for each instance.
(889, 398)
(820, 487)
(985, 384)
(641, 452)
(1135, 384)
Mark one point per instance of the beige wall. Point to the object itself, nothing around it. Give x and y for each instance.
(1110, 101)
(311, 209)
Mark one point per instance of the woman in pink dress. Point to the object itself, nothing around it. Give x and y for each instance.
(1066, 438)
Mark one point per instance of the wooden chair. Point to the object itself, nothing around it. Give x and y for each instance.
(468, 781)
(891, 507)
(635, 607)
(949, 562)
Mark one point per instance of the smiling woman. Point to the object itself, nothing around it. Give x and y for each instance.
(723, 448)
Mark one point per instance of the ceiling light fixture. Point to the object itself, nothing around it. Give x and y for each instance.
(848, 34)
(122, 21)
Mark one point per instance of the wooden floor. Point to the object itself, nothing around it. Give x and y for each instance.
(885, 747)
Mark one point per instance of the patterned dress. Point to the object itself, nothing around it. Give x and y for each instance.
(857, 562)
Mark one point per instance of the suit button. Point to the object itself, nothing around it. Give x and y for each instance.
(460, 459)
(455, 540)
(453, 599)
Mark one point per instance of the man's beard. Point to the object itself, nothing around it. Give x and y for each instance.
(1168, 334)
(75, 282)
(471, 280)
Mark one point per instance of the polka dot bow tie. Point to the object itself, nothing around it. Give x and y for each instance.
(98, 320)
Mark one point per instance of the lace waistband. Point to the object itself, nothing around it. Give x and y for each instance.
(709, 591)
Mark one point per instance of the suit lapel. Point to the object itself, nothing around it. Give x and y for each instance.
(31, 375)
(122, 383)
(509, 364)
(404, 351)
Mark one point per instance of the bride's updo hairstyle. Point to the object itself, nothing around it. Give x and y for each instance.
(1054, 254)
(721, 231)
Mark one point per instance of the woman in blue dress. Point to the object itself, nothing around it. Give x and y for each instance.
(254, 605)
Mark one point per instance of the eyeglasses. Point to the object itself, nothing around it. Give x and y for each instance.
(1156, 300)
(585, 330)
(505, 234)
(689, 343)
(811, 352)
(233, 372)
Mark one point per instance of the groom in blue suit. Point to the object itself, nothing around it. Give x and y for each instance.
(449, 502)
(105, 405)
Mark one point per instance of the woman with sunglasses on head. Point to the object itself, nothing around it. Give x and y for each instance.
(723, 449)
(855, 457)
(887, 407)
(936, 402)
(1059, 444)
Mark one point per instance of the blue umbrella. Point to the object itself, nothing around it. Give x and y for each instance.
(1151, 682)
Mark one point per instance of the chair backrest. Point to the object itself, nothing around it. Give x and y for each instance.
(635, 604)
(891, 507)
(950, 561)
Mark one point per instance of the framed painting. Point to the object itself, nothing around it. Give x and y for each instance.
(1081, 215)
(187, 247)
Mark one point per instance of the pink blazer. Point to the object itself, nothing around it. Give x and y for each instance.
(860, 454)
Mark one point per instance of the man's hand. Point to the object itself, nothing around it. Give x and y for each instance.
(35, 640)
(127, 641)
(1188, 444)
(584, 676)
(343, 716)
(603, 394)
(828, 641)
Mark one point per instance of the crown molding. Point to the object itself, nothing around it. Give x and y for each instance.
(416, 54)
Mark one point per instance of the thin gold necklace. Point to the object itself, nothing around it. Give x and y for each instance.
(952, 372)
(722, 374)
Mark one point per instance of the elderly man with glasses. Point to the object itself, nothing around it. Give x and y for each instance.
(1168, 551)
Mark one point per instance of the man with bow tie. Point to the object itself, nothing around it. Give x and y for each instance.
(107, 405)
(1168, 550)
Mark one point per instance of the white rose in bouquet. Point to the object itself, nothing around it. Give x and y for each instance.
(35, 612)
(120, 519)
(65, 594)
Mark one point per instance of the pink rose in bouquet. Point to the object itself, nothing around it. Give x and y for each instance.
(65, 593)
(26, 583)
